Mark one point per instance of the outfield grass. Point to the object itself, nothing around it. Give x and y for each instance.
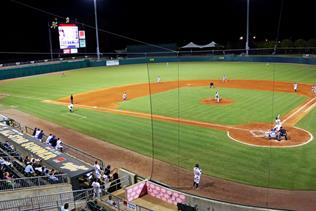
(186, 103)
(180, 144)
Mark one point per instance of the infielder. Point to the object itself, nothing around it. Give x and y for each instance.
(314, 89)
(158, 79)
(217, 98)
(71, 99)
(124, 96)
(295, 86)
(71, 107)
(197, 176)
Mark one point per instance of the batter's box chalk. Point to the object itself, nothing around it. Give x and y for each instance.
(257, 133)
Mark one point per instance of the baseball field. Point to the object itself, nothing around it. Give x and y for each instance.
(177, 120)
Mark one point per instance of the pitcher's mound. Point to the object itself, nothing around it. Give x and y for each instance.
(214, 102)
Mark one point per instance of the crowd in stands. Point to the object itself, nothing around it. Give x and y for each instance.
(34, 167)
(13, 165)
(101, 180)
(51, 140)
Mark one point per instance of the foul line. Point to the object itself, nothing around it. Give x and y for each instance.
(298, 110)
(310, 108)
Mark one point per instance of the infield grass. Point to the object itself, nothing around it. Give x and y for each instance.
(248, 106)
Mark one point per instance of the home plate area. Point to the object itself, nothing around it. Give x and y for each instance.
(258, 133)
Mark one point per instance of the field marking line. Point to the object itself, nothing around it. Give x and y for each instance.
(298, 110)
(24, 97)
(257, 135)
(310, 108)
(156, 117)
(79, 115)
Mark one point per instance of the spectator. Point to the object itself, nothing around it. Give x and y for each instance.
(38, 131)
(6, 175)
(8, 145)
(52, 177)
(110, 201)
(107, 170)
(29, 170)
(65, 207)
(59, 145)
(34, 132)
(54, 142)
(26, 160)
(40, 135)
(4, 162)
(115, 184)
(49, 138)
(40, 170)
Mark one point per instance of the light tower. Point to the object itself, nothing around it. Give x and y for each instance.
(96, 29)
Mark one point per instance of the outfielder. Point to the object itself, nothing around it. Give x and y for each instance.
(158, 79)
(197, 176)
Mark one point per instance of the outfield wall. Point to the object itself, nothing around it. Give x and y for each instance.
(41, 68)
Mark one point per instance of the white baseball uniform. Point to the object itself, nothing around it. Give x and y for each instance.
(124, 96)
(197, 174)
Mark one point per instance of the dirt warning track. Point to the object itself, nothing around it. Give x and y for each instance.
(107, 100)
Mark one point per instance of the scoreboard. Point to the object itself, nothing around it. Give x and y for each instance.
(68, 36)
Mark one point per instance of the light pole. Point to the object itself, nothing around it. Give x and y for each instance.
(50, 42)
(247, 39)
(96, 29)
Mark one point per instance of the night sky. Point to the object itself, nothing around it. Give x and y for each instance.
(222, 21)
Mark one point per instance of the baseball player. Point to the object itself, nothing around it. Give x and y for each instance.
(71, 99)
(124, 96)
(71, 107)
(217, 98)
(211, 84)
(224, 78)
(295, 86)
(278, 123)
(158, 79)
(197, 176)
(314, 89)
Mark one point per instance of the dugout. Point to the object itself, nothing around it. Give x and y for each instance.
(51, 158)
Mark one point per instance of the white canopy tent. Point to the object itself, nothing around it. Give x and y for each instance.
(193, 45)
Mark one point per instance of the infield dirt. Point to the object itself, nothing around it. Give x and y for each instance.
(107, 100)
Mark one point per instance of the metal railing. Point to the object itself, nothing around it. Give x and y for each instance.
(75, 199)
(29, 182)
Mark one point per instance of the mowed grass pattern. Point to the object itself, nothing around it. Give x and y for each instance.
(248, 105)
(177, 144)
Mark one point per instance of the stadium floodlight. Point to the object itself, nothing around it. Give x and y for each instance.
(96, 29)
(241, 38)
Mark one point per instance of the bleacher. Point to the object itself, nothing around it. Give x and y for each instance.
(15, 146)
